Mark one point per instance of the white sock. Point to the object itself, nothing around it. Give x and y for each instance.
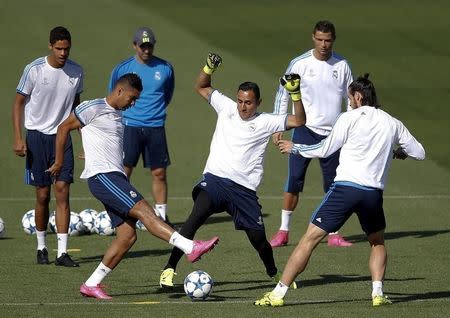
(41, 239)
(333, 233)
(280, 290)
(62, 243)
(377, 288)
(285, 219)
(184, 244)
(98, 275)
(161, 210)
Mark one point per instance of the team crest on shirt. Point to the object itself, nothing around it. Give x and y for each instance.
(252, 126)
(335, 74)
(158, 76)
(45, 81)
(133, 194)
(311, 73)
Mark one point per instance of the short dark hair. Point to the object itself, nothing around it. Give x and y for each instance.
(59, 33)
(131, 79)
(366, 88)
(250, 86)
(325, 26)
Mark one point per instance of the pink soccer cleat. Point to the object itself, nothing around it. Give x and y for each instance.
(338, 241)
(200, 248)
(96, 292)
(281, 238)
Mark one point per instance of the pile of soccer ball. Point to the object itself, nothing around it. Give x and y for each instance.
(87, 221)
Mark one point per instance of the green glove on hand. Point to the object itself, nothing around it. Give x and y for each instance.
(213, 61)
(291, 82)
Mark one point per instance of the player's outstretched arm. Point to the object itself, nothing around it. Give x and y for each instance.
(203, 83)
(291, 83)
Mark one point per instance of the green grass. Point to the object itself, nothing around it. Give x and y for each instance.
(401, 45)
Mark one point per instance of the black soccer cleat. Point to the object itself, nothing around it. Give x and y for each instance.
(66, 261)
(42, 256)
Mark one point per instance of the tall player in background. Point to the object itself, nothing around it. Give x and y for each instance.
(325, 78)
(145, 122)
(48, 90)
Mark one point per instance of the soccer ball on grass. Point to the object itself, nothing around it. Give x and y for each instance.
(198, 285)
(88, 217)
(102, 224)
(28, 222)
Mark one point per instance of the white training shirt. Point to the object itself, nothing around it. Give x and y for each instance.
(323, 86)
(50, 93)
(238, 146)
(102, 135)
(366, 137)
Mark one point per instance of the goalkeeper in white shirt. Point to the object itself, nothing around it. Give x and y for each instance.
(369, 139)
(234, 167)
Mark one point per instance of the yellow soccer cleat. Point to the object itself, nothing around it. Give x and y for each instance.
(166, 278)
(381, 301)
(269, 299)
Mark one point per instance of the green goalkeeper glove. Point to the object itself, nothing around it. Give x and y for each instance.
(291, 82)
(213, 61)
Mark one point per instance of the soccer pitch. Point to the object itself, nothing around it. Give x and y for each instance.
(401, 46)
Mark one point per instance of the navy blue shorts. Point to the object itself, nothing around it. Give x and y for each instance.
(151, 142)
(41, 155)
(116, 193)
(240, 202)
(342, 200)
(298, 165)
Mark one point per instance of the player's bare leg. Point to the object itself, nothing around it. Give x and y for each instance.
(300, 256)
(62, 217)
(296, 264)
(378, 255)
(377, 266)
(41, 212)
(125, 238)
(160, 190)
(145, 213)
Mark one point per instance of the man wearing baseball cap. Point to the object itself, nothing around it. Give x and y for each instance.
(145, 122)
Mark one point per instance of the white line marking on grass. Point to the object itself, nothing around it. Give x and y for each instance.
(264, 197)
(213, 302)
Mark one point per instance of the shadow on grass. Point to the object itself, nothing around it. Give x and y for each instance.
(337, 279)
(403, 297)
(130, 254)
(395, 297)
(396, 235)
(324, 280)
